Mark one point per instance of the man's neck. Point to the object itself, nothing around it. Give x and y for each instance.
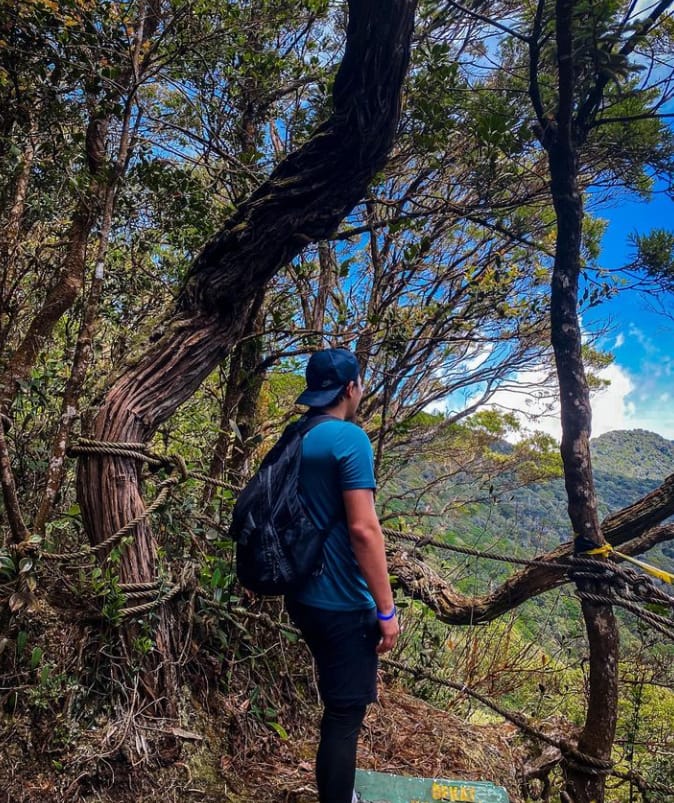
(338, 411)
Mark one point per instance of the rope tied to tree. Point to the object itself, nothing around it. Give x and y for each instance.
(141, 451)
(137, 451)
(607, 549)
(585, 762)
(421, 541)
(88, 550)
(662, 624)
(162, 599)
(131, 587)
(573, 564)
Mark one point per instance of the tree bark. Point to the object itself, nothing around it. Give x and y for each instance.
(18, 531)
(83, 347)
(59, 299)
(248, 381)
(303, 200)
(327, 278)
(10, 235)
(240, 403)
(99, 196)
(561, 142)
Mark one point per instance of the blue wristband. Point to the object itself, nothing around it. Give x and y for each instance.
(384, 617)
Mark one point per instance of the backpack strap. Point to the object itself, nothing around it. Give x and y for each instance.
(308, 422)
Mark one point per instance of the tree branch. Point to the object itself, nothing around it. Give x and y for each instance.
(645, 116)
(490, 21)
(534, 56)
(633, 529)
(589, 107)
(311, 190)
(18, 531)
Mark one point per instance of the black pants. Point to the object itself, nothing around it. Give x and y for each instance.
(343, 644)
(336, 757)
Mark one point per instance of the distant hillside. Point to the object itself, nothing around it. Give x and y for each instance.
(533, 519)
(634, 453)
(528, 521)
(629, 464)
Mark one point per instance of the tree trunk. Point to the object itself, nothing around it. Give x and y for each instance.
(18, 531)
(71, 394)
(582, 784)
(303, 200)
(70, 400)
(10, 235)
(327, 278)
(242, 393)
(602, 630)
(62, 295)
(248, 381)
(59, 299)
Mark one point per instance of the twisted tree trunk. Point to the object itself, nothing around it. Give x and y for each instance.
(303, 200)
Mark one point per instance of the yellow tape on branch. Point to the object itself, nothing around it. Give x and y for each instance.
(606, 549)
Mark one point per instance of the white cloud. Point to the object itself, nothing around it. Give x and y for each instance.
(646, 343)
(535, 406)
(613, 407)
(477, 357)
(620, 339)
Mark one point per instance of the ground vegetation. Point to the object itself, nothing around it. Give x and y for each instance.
(195, 195)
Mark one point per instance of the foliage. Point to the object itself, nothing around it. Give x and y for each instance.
(439, 280)
(655, 254)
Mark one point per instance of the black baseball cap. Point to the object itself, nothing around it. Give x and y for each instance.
(328, 373)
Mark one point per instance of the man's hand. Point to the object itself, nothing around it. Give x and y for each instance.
(389, 634)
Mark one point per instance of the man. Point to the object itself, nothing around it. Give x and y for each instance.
(346, 612)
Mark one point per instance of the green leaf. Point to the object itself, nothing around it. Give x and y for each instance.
(276, 726)
(216, 579)
(7, 565)
(36, 657)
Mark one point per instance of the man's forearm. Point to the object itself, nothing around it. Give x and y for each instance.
(368, 547)
(367, 542)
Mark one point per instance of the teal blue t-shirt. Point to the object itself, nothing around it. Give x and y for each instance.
(336, 457)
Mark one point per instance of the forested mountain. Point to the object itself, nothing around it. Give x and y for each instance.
(194, 196)
(626, 464)
(633, 453)
(532, 518)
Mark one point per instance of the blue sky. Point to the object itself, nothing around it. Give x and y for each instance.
(641, 339)
(640, 394)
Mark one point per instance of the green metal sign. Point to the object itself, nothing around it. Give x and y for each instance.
(379, 787)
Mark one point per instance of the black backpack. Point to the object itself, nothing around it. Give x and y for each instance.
(278, 547)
